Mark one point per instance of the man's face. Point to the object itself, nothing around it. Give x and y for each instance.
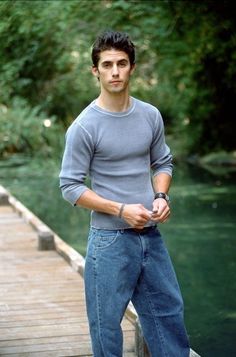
(113, 71)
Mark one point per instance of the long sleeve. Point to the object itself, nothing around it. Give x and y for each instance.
(161, 158)
(76, 162)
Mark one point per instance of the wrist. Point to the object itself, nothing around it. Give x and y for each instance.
(162, 195)
(121, 210)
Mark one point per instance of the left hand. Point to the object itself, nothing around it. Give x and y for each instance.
(161, 210)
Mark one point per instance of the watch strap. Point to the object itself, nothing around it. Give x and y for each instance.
(162, 195)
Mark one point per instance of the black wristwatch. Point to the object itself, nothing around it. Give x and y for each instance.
(162, 195)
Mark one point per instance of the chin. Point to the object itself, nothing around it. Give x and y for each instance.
(117, 89)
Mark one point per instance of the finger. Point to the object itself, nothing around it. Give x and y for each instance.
(162, 210)
(155, 215)
(165, 220)
(164, 217)
(141, 219)
(155, 219)
(146, 214)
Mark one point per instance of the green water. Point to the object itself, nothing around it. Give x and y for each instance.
(200, 236)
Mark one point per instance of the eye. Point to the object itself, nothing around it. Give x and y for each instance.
(123, 64)
(106, 65)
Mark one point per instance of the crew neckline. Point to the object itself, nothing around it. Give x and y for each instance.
(115, 114)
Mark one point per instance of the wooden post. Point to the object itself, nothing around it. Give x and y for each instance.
(4, 197)
(46, 240)
(141, 349)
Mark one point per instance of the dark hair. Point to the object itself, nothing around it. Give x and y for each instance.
(113, 39)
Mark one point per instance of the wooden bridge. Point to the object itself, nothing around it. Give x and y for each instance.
(42, 305)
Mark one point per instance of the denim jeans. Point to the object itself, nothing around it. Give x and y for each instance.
(123, 265)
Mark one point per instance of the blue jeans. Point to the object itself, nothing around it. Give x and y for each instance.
(123, 265)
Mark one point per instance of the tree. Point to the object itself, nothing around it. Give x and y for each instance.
(35, 54)
(185, 55)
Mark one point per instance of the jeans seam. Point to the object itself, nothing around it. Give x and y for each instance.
(98, 302)
(162, 339)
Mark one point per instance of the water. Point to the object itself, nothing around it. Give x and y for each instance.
(200, 237)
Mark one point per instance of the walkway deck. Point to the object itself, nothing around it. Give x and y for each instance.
(42, 307)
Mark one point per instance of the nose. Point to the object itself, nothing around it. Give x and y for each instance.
(115, 71)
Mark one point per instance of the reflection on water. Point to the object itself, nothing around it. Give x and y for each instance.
(201, 239)
(200, 236)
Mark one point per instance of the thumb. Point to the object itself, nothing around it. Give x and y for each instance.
(155, 206)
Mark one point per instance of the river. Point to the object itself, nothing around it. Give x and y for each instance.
(200, 237)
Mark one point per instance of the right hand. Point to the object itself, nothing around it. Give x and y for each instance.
(136, 215)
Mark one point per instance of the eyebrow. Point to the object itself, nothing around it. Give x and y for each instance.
(119, 61)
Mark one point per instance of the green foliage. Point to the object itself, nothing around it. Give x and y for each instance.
(185, 61)
(35, 54)
(208, 28)
(186, 55)
(26, 130)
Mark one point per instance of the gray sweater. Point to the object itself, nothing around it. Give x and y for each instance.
(117, 151)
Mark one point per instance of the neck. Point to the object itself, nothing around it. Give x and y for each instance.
(115, 102)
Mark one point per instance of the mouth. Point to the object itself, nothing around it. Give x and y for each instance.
(115, 82)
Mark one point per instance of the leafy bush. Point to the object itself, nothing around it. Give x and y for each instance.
(36, 42)
(185, 61)
(26, 129)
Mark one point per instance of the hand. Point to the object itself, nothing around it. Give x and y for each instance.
(136, 215)
(161, 210)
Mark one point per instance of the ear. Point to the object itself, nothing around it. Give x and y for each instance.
(132, 69)
(95, 71)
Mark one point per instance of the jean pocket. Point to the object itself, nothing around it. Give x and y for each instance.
(105, 238)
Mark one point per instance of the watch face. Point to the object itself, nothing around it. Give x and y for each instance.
(162, 195)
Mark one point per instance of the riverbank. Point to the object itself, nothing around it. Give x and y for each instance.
(221, 159)
(218, 163)
(200, 237)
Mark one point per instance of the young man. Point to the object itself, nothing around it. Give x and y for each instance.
(118, 140)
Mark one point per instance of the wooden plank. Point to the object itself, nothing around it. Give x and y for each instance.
(80, 319)
(38, 308)
(43, 330)
(42, 304)
(44, 340)
(60, 346)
